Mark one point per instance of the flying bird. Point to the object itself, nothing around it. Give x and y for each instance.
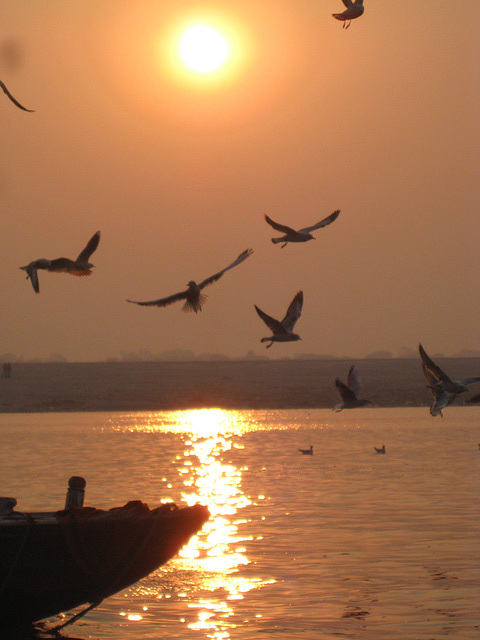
(78, 267)
(307, 452)
(439, 379)
(380, 449)
(283, 331)
(193, 297)
(353, 10)
(441, 399)
(350, 392)
(15, 102)
(302, 235)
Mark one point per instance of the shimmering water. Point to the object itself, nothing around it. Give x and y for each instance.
(342, 544)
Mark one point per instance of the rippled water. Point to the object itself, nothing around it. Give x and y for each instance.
(342, 544)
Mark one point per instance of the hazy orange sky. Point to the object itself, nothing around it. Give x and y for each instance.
(380, 120)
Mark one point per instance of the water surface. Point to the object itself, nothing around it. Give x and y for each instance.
(342, 544)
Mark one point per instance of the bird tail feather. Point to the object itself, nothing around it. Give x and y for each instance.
(194, 305)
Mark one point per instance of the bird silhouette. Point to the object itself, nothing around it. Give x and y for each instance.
(78, 267)
(302, 235)
(283, 331)
(350, 392)
(439, 381)
(193, 297)
(353, 10)
(441, 399)
(307, 452)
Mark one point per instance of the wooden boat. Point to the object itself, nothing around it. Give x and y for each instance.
(54, 562)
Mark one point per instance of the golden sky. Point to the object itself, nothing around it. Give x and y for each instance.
(177, 171)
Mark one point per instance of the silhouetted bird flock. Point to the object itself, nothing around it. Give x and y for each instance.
(443, 389)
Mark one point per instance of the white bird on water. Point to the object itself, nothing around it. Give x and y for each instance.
(15, 102)
(78, 267)
(350, 392)
(193, 297)
(302, 235)
(283, 331)
(353, 10)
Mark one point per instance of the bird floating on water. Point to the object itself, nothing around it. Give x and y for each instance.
(380, 449)
(350, 392)
(283, 331)
(193, 297)
(302, 235)
(78, 267)
(307, 452)
(354, 9)
(443, 388)
(15, 102)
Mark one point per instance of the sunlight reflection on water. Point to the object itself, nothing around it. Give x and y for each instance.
(218, 551)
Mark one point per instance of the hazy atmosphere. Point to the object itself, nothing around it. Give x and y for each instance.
(177, 170)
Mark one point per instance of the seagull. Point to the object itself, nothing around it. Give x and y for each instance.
(78, 267)
(193, 296)
(380, 449)
(440, 380)
(307, 452)
(353, 10)
(441, 399)
(302, 235)
(20, 106)
(349, 392)
(283, 331)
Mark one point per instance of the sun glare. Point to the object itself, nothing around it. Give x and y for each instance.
(203, 49)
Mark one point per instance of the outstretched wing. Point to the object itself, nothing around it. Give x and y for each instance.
(275, 326)
(345, 392)
(33, 275)
(34, 280)
(347, 3)
(434, 369)
(162, 302)
(466, 381)
(243, 256)
(279, 227)
(431, 380)
(354, 382)
(294, 312)
(90, 248)
(15, 102)
(323, 223)
(441, 399)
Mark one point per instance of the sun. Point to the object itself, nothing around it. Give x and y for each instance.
(203, 49)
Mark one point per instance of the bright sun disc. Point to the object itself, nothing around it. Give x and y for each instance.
(203, 49)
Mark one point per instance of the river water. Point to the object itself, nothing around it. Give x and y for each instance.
(345, 543)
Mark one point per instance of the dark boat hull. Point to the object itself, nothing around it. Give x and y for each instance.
(56, 563)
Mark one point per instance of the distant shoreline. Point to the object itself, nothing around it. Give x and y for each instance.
(227, 384)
